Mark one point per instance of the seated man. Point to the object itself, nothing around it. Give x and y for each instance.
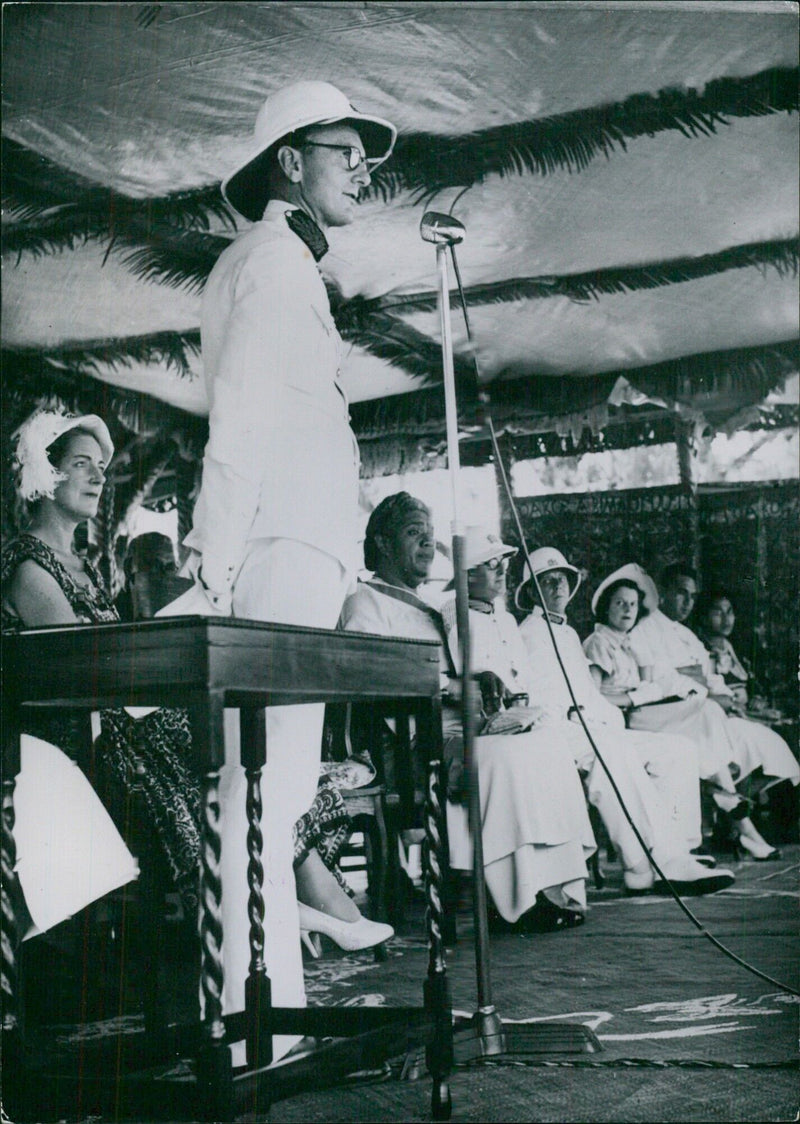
(662, 641)
(669, 826)
(536, 833)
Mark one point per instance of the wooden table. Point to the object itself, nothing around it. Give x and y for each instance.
(206, 665)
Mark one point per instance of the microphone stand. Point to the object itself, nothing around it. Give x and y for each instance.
(484, 1035)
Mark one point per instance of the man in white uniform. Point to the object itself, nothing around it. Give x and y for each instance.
(275, 524)
(662, 640)
(536, 833)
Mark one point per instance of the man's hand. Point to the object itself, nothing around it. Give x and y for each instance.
(728, 704)
(515, 720)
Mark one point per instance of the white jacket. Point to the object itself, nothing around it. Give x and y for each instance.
(281, 459)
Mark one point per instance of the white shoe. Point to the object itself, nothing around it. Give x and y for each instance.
(639, 882)
(690, 877)
(349, 935)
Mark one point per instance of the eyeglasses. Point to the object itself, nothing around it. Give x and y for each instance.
(497, 564)
(355, 157)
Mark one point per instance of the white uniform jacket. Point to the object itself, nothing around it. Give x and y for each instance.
(665, 645)
(551, 691)
(281, 460)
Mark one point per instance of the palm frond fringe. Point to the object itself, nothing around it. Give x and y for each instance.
(753, 371)
(52, 208)
(781, 255)
(69, 208)
(173, 349)
(426, 164)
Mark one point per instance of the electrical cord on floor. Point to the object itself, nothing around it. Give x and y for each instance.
(521, 535)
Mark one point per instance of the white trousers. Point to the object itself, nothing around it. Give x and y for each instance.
(285, 582)
(756, 745)
(658, 781)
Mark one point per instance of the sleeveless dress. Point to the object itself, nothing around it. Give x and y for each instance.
(148, 753)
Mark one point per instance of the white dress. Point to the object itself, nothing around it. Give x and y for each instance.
(69, 852)
(536, 831)
(657, 773)
(696, 717)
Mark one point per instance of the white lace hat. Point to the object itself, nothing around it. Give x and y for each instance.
(35, 476)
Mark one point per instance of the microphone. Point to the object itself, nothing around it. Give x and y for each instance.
(441, 229)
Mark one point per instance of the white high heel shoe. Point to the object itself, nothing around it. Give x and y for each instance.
(348, 935)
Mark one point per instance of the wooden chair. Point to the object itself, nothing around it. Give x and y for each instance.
(380, 810)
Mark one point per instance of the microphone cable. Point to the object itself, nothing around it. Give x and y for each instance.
(483, 398)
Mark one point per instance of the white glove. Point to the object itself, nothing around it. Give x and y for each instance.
(198, 601)
(646, 693)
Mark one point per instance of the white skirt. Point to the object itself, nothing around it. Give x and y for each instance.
(536, 830)
(69, 853)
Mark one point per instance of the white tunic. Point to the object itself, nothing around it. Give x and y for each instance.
(668, 645)
(281, 460)
(536, 832)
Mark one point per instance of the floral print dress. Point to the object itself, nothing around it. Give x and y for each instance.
(148, 753)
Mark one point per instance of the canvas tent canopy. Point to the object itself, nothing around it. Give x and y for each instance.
(627, 176)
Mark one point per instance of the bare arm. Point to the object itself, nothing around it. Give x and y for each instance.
(618, 698)
(37, 597)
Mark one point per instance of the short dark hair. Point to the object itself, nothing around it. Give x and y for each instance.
(706, 599)
(386, 517)
(604, 600)
(146, 554)
(57, 450)
(675, 570)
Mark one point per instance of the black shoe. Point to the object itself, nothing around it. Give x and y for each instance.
(703, 855)
(717, 880)
(546, 917)
(498, 924)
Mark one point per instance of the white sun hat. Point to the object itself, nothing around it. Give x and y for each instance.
(548, 558)
(481, 546)
(632, 572)
(35, 476)
(296, 107)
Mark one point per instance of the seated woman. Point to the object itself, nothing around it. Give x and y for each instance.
(61, 462)
(778, 773)
(713, 621)
(69, 852)
(536, 831)
(679, 705)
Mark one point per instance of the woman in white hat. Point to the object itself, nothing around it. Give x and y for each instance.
(68, 851)
(678, 705)
(657, 774)
(276, 522)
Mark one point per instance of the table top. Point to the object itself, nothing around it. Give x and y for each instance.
(170, 660)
